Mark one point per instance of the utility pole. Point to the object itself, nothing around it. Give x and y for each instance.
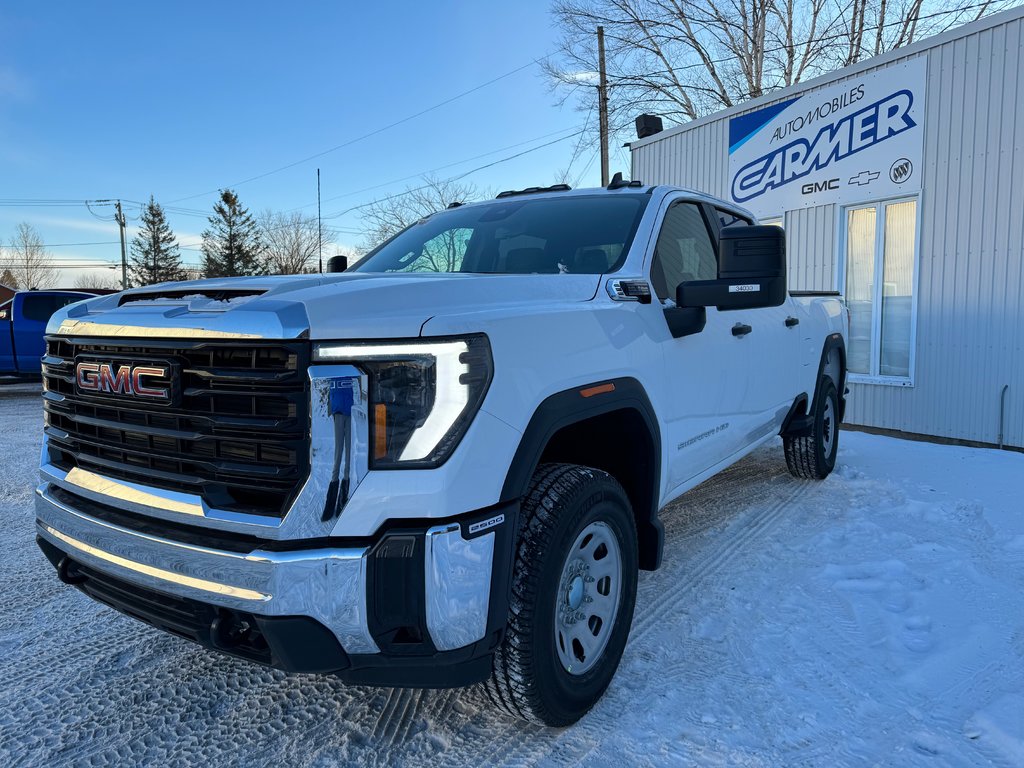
(119, 218)
(319, 226)
(602, 106)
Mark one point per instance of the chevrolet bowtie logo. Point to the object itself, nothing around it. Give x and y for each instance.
(865, 177)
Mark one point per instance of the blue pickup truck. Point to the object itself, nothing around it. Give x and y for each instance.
(22, 326)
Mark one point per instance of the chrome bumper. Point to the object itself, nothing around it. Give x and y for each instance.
(327, 584)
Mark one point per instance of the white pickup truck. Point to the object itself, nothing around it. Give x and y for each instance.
(444, 465)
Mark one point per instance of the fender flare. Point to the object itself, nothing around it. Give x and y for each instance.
(571, 406)
(800, 418)
(834, 341)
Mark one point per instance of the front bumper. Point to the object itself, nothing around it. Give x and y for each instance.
(411, 606)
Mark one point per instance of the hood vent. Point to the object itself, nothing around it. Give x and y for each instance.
(197, 299)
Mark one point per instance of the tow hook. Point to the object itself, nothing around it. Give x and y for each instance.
(64, 572)
(228, 631)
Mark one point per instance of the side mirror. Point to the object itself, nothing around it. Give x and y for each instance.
(337, 264)
(751, 271)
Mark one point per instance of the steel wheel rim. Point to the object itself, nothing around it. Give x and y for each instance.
(587, 600)
(828, 427)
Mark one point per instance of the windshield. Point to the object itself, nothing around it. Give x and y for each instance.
(582, 235)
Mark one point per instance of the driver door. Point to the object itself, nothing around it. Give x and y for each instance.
(707, 373)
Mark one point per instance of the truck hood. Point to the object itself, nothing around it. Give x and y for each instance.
(338, 306)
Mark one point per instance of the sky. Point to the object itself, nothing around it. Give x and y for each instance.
(177, 100)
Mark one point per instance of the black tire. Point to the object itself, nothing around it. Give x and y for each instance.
(529, 680)
(813, 456)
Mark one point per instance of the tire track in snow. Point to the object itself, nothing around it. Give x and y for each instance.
(752, 524)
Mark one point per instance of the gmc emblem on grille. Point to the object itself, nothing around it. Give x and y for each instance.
(114, 379)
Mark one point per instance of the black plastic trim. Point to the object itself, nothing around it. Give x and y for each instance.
(568, 407)
(800, 420)
(834, 341)
(797, 421)
(396, 581)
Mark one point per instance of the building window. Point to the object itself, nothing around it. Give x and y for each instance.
(880, 257)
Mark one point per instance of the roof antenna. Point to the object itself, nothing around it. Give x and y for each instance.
(617, 182)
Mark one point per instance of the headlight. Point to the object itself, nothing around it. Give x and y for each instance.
(422, 394)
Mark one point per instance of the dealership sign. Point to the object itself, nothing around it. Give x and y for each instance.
(856, 141)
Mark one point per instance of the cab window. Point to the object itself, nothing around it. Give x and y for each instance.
(684, 251)
(728, 218)
(40, 307)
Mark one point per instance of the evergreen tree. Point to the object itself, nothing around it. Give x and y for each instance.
(232, 245)
(8, 278)
(155, 257)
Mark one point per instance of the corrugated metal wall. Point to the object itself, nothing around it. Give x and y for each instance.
(810, 262)
(970, 314)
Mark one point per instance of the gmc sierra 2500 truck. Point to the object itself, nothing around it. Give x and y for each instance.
(444, 465)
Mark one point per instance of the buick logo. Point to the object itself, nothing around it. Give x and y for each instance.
(901, 170)
(117, 379)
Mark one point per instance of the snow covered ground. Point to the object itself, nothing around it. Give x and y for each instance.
(875, 618)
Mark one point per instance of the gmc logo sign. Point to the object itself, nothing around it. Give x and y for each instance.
(819, 186)
(117, 379)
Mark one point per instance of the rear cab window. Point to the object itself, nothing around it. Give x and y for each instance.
(39, 307)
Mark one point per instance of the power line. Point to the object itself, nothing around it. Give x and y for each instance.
(350, 142)
(579, 144)
(421, 174)
(74, 245)
(453, 178)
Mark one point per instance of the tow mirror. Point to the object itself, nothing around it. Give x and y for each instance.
(751, 271)
(337, 264)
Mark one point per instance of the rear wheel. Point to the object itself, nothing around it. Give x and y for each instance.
(573, 592)
(813, 456)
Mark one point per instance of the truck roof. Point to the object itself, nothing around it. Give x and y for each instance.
(658, 192)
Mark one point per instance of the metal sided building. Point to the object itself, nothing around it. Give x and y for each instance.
(900, 183)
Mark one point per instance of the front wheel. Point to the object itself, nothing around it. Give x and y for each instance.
(813, 456)
(573, 592)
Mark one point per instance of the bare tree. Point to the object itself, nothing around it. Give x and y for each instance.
(683, 59)
(27, 259)
(88, 281)
(292, 242)
(8, 278)
(388, 216)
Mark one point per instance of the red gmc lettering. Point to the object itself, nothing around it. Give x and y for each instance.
(85, 374)
(119, 383)
(119, 380)
(140, 388)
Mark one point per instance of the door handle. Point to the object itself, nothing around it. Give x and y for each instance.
(791, 321)
(741, 329)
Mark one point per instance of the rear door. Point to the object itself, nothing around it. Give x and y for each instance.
(773, 355)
